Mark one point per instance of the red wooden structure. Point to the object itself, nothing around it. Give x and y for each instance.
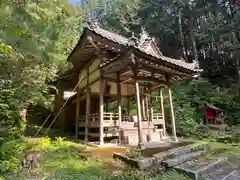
(214, 117)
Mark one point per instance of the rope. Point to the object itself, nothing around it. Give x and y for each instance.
(63, 106)
(57, 113)
(42, 124)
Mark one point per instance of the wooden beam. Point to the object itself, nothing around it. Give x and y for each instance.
(151, 79)
(158, 86)
(117, 58)
(162, 63)
(126, 72)
(162, 110)
(119, 106)
(129, 79)
(90, 39)
(161, 68)
(90, 84)
(80, 45)
(87, 63)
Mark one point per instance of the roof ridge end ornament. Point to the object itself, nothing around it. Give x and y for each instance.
(89, 23)
(133, 40)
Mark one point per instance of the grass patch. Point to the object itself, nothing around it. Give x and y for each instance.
(230, 151)
(60, 158)
(63, 159)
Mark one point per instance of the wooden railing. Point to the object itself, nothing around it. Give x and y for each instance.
(157, 118)
(109, 119)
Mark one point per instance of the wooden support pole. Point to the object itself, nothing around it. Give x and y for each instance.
(147, 108)
(88, 101)
(139, 117)
(162, 111)
(128, 105)
(150, 105)
(119, 106)
(174, 133)
(77, 112)
(143, 108)
(101, 109)
(150, 119)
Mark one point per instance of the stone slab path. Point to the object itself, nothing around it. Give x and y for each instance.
(195, 161)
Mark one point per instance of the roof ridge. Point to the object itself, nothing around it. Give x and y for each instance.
(122, 40)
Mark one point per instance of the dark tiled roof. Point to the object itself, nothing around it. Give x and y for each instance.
(144, 47)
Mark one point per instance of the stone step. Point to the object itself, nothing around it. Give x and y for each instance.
(184, 158)
(225, 171)
(235, 175)
(181, 151)
(195, 168)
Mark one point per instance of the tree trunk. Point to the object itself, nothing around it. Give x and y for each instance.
(181, 35)
(23, 115)
(195, 51)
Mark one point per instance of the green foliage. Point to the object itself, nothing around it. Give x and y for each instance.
(62, 160)
(134, 153)
(189, 98)
(35, 40)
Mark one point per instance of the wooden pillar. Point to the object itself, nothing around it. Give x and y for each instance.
(150, 105)
(174, 133)
(143, 107)
(147, 108)
(150, 118)
(101, 109)
(88, 101)
(162, 111)
(119, 107)
(128, 105)
(77, 112)
(140, 139)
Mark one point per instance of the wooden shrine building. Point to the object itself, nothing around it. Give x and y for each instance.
(108, 67)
